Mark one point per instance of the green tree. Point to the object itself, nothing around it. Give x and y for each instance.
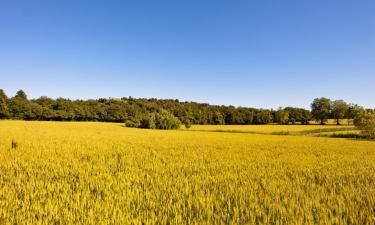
(264, 117)
(4, 109)
(218, 118)
(282, 116)
(320, 109)
(353, 111)
(305, 116)
(365, 121)
(248, 116)
(19, 106)
(21, 94)
(300, 115)
(233, 116)
(116, 113)
(339, 109)
(64, 109)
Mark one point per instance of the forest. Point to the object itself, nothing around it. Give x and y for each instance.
(167, 113)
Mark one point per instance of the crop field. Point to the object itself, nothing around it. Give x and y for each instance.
(105, 173)
(276, 129)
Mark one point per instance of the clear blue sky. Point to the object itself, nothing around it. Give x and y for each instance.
(251, 53)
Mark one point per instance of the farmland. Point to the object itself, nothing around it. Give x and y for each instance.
(100, 173)
(274, 129)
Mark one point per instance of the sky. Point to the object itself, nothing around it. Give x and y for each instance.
(253, 53)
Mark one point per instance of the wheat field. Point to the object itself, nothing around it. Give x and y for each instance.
(269, 129)
(104, 173)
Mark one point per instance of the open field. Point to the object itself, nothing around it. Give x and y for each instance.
(100, 173)
(275, 129)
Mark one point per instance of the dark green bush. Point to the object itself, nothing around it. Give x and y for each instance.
(132, 123)
(166, 121)
(187, 124)
(161, 119)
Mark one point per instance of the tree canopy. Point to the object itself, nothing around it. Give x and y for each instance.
(166, 113)
(320, 109)
(339, 110)
(4, 110)
(365, 121)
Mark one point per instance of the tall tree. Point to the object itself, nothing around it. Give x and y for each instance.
(353, 111)
(248, 116)
(300, 115)
(218, 118)
(282, 116)
(4, 109)
(320, 109)
(305, 116)
(264, 117)
(21, 95)
(339, 110)
(19, 106)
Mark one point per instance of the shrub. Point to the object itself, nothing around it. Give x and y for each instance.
(161, 119)
(148, 121)
(166, 121)
(132, 123)
(187, 124)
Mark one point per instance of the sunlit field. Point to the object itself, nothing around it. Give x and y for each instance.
(103, 173)
(269, 129)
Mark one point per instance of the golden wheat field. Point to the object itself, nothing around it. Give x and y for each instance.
(269, 129)
(104, 173)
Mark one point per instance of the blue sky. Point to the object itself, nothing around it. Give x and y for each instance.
(256, 53)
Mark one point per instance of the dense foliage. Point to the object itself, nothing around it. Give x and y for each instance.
(162, 120)
(4, 110)
(366, 123)
(165, 113)
(321, 108)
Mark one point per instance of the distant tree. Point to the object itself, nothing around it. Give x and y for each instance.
(4, 109)
(233, 116)
(219, 118)
(185, 116)
(248, 116)
(19, 106)
(21, 95)
(282, 116)
(339, 109)
(116, 112)
(305, 116)
(353, 111)
(264, 117)
(64, 110)
(365, 121)
(156, 113)
(320, 109)
(299, 115)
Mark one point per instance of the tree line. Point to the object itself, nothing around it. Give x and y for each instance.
(166, 113)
